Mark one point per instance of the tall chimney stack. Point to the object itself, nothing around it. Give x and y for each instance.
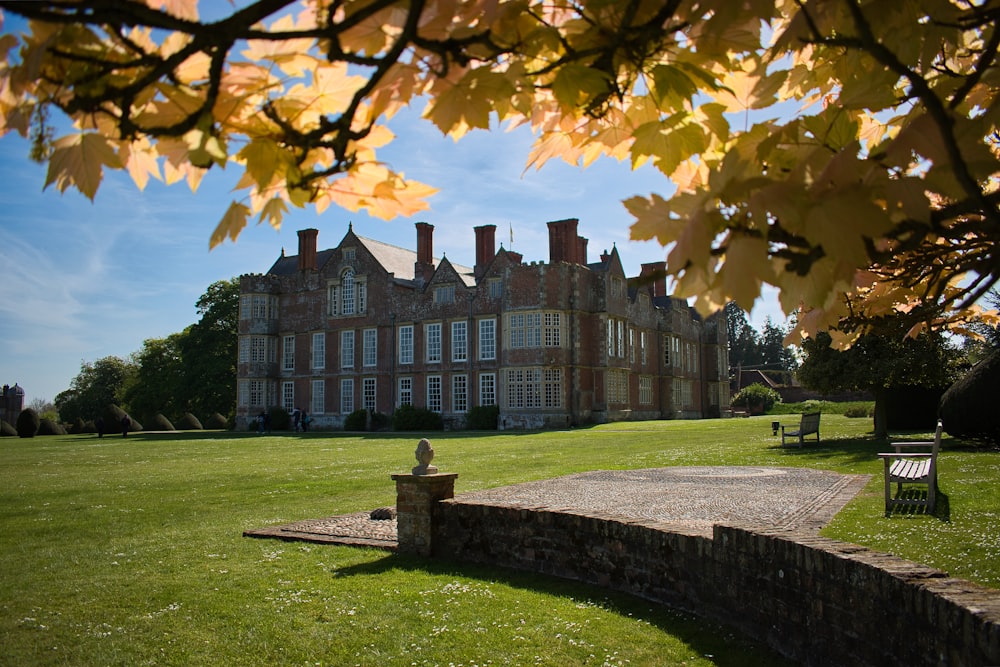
(307, 249)
(656, 273)
(423, 269)
(486, 244)
(564, 245)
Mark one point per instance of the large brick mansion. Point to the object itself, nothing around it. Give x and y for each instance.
(373, 326)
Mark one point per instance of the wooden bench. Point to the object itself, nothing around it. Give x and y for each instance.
(918, 468)
(808, 426)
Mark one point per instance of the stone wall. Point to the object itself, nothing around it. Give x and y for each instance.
(815, 600)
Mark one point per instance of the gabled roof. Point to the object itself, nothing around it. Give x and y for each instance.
(395, 260)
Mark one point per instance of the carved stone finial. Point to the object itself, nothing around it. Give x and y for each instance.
(425, 454)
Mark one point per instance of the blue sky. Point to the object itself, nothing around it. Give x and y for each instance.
(82, 280)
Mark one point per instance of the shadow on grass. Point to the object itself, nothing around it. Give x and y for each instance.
(942, 505)
(726, 646)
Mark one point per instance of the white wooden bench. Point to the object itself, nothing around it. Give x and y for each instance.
(913, 467)
(809, 425)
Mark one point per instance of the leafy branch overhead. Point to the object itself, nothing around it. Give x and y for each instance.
(843, 151)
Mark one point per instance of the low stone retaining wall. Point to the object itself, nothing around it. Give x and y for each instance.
(815, 600)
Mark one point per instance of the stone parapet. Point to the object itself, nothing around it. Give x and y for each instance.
(417, 500)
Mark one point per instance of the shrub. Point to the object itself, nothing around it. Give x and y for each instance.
(280, 420)
(857, 411)
(6, 430)
(27, 423)
(47, 426)
(482, 418)
(756, 396)
(380, 421)
(409, 418)
(188, 422)
(113, 420)
(356, 421)
(216, 422)
(160, 423)
(78, 426)
(968, 409)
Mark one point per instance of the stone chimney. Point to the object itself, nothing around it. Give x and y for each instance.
(564, 244)
(307, 249)
(655, 273)
(486, 243)
(581, 250)
(423, 269)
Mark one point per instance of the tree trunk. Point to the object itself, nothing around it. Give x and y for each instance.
(881, 416)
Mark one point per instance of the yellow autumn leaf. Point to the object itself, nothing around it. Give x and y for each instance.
(140, 161)
(79, 160)
(231, 225)
(273, 212)
(746, 266)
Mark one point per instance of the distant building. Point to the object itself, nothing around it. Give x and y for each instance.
(11, 403)
(367, 325)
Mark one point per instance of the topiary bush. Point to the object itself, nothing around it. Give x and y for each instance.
(49, 427)
(968, 409)
(757, 398)
(356, 421)
(77, 427)
(113, 420)
(27, 423)
(160, 423)
(6, 430)
(216, 422)
(482, 418)
(409, 418)
(188, 422)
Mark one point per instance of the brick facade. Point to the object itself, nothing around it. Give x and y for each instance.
(370, 325)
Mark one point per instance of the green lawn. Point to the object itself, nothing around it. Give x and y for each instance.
(129, 551)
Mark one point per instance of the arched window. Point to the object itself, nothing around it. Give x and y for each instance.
(347, 291)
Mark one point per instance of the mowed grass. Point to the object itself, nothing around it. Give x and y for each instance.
(130, 551)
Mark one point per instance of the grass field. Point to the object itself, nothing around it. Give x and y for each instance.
(129, 551)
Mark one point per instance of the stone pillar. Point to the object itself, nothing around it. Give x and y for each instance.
(416, 496)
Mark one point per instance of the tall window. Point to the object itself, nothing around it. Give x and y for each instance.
(257, 389)
(631, 345)
(487, 389)
(347, 348)
(611, 338)
(347, 292)
(333, 298)
(346, 395)
(244, 349)
(288, 396)
(362, 289)
(645, 390)
(459, 341)
(459, 393)
(288, 353)
(318, 404)
(433, 342)
(552, 387)
(496, 288)
(406, 344)
(621, 339)
(405, 393)
(319, 350)
(368, 394)
(644, 352)
(434, 393)
(553, 330)
(370, 338)
(617, 385)
(487, 339)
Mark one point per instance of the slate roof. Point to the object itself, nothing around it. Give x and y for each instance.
(395, 260)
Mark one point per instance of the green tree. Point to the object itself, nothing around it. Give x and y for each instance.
(744, 341)
(880, 363)
(95, 387)
(773, 350)
(159, 379)
(209, 352)
(878, 198)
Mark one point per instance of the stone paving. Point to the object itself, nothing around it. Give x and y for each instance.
(687, 499)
